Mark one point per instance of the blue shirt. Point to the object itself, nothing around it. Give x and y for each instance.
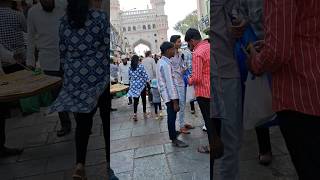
(166, 79)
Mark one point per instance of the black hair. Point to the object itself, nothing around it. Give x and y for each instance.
(192, 34)
(77, 12)
(165, 46)
(148, 53)
(134, 62)
(174, 38)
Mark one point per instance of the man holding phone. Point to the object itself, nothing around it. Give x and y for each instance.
(168, 90)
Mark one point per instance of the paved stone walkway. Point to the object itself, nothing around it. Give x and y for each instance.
(139, 150)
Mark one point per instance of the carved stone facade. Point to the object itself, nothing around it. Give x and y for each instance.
(148, 27)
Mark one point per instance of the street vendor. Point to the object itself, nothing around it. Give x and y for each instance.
(5, 56)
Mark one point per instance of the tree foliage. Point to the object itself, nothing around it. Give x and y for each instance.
(190, 21)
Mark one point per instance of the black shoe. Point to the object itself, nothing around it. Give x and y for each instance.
(64, 131)
(113, 109)
(6, 152)
(179, 144)
(112, 176)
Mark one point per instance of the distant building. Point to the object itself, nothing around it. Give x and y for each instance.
(203, 15)
(148, 27)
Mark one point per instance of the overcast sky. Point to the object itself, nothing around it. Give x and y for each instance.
(175, 9)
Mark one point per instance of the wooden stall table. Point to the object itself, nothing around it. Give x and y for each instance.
(118, 88)
(24, 84)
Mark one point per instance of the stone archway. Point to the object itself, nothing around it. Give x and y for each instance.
(142, 41)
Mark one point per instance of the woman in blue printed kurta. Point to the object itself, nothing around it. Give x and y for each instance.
(138, 81)
(84, 42)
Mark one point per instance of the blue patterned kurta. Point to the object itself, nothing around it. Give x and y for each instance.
(138, 81)
(86, 69)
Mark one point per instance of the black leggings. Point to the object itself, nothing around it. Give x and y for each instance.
(84, 126)
(156, 107)
(144, 101)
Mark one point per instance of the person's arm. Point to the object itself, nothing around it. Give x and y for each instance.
(31, 41)
(62, 45)
(197, 68)
(279, 35)
(22, 22)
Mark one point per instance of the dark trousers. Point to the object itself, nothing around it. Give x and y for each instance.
(150, 97)
(144, 101)
(156, 107)
(302, 136)
(65, 120)
(12, 68)
(263, 137)
(172, 116)
(192, 106)
(84, 126)
(204, 104)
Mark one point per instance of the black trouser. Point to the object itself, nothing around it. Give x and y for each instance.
(263, 137)
(204, 104)
(144, 101)
(4, 113)
(150, 97)
(13, 68)
(65, 120)
(172, 116)
(302, 135)
(192, 106)
(156, 107)
(84, 126)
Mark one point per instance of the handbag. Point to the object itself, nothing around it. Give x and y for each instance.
(257, 108)
(190, 95)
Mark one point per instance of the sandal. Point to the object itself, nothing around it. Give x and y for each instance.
(184, 131)
(188, 126)
(204, 149)
(79, 173)
(135, 117)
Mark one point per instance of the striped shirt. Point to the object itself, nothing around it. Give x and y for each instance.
(292, 54)
(200, 77)
(167, 87)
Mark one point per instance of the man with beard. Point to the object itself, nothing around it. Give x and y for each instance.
(124, 73)
(43, 33)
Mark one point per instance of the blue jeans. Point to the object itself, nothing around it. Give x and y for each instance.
(182, 104)
(172, 116)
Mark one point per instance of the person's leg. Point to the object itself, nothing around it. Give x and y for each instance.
(204, 105)
(301, 134)
(171, 121)
(263, 138)
(231, 128)
(64, 117)
(192, 107)
(182, 103)
(2, 132)
(144, 100)
(135, 104)
(160, 106)
(83, 130)
(156, 108)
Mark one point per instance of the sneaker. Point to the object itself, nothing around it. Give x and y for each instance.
(265, 159)
(179, 144)
(204, 128)
(161, 114)
(193, 111)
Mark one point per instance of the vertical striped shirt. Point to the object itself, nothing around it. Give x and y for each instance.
(166, 81)
(200, 77)
(292, 54)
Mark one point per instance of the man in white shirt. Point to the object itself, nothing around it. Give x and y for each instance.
(5, 56)
(124, 73)
(43, 33)
(150, 66)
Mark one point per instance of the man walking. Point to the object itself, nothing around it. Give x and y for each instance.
(43, 33)
(124, 73)
(150, 66)
(178, 68)
(168, 90)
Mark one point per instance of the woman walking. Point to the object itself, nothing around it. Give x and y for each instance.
(86, 74)
(138, 82)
